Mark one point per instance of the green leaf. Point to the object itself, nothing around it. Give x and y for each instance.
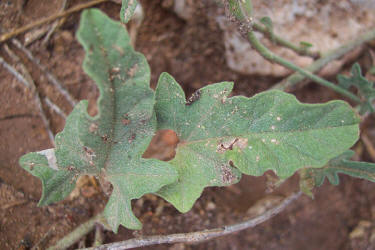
(57, 184)
(127, 10)
(267, 21)
(109, 145)
(365, 87)
(343, 164)
(270, 131)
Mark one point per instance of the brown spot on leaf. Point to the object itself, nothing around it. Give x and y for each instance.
(227, 176)
(226, 145)
(104, 51)
(118, 49)
(71, 168)
(32, 164)
(88, 150)
(224, 100)
(125, 121)
(90, 154)
(241, 143)
(131, 138)
(105, 138)
(115, 70)
(105, 184)
(93, 127)
(132, 70)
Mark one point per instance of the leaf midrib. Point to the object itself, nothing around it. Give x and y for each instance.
(111, 133)
(185, 142)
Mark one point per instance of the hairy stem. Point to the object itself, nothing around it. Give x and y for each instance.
(326, 58)
(287, 44)
(237, 10)
(266, 53)
(77, 233)
(200, 236)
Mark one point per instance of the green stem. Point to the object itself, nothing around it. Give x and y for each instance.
(266, 53)
(279, 40)
(77, 233)
(237, 9)
(335, 54)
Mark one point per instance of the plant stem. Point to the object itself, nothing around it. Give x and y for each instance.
(266, 53)
(49, 19)
(287, 44)
(200, 236)
(237, 10)
(335, 54)
(77, 233)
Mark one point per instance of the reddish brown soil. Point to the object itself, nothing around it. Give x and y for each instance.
(193, 52)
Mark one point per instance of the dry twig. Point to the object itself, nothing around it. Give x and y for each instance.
(49, 19)
(56, 83)
(30, 85)
(55, 108)
(56, 24)
(14, 72)
(202, 235)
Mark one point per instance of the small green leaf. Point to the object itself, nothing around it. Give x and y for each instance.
(343, 164)
(267, 22)
(365, 87)
(109, 145)
(127, 10)
(305, 45)
(270, 131)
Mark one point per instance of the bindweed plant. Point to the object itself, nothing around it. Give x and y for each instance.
(220, 137)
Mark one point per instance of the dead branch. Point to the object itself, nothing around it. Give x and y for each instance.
(202, 235)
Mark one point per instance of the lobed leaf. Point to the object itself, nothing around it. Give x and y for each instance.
(221, 137)
(365, 87)
(57, 184)
(268, 24)
(109, 145)
(342, 164)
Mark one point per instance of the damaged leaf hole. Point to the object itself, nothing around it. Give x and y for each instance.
(163, 145)
(224, 146)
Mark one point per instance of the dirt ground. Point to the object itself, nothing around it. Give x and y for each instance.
(340, 217)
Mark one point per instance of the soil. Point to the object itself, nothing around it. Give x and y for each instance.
(339, 217)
